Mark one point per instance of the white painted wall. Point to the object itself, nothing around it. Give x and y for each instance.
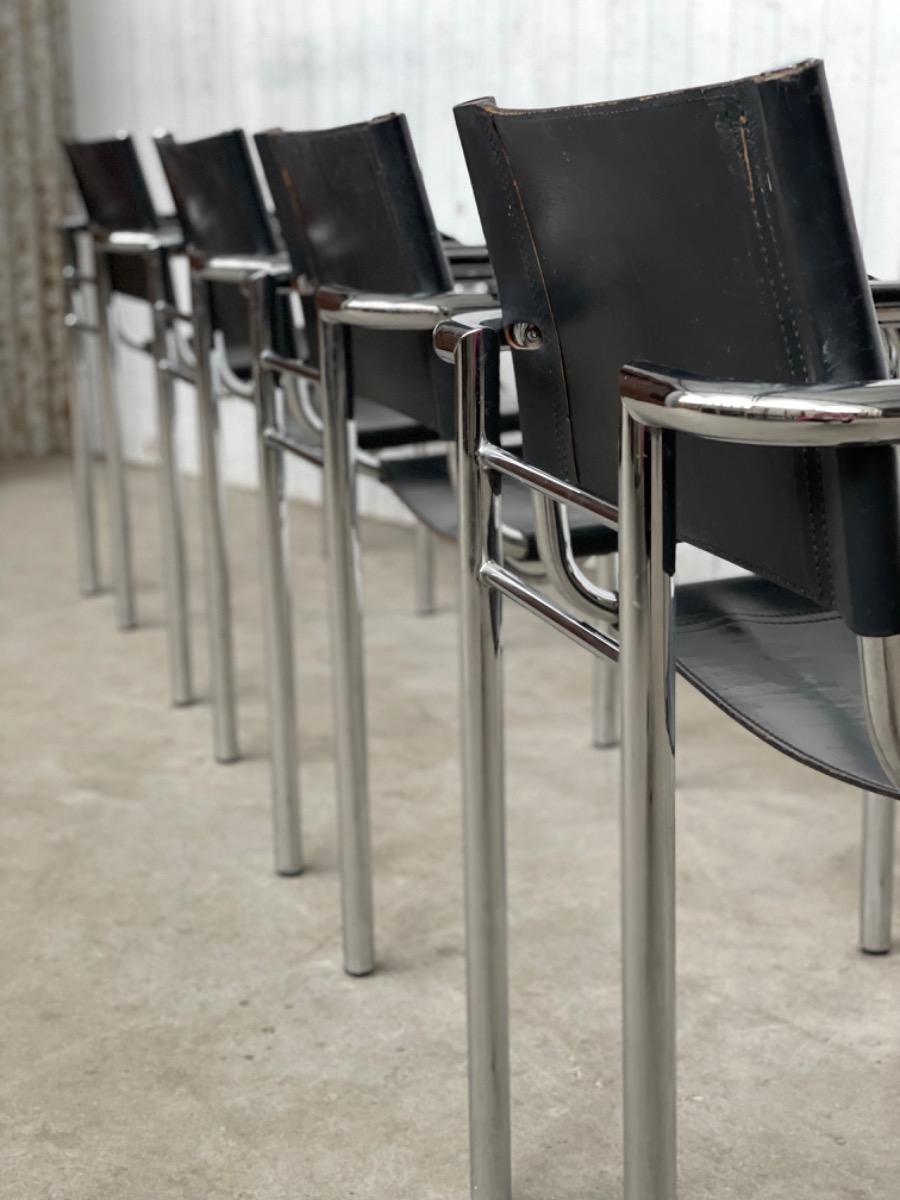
(198, 66)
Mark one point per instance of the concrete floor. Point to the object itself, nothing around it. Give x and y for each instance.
(174, 1020)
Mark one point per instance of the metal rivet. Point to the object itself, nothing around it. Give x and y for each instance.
(523, 335)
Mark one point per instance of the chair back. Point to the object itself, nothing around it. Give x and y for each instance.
(708, 231)
(116, 197)
(222, 212)
(353, 212)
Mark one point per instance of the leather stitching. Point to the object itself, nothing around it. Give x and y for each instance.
(809, 458)
(537, 286)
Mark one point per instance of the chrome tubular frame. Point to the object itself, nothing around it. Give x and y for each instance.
(339, 309)
(653, 408)
(877, 873)
(424, 570)
(174, 558)
(477, 389)
(218, 590)
(152, 249)
(119, 522)
(348, 669)
(605, 680)
(82, 472)
(276, 592)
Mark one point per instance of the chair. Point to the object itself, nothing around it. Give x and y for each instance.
(709, 231)
(242, 316)
(358, 227)
(132, 248)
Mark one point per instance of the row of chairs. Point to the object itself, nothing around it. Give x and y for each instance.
(708, 232)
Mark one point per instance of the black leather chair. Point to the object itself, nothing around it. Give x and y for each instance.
(242, 312)
(224, 220)
(132, 247)
(708, 231)
(358, 227)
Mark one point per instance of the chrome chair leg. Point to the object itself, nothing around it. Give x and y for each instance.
(119, 524)
(424, 570)
(171, 520)
(483, 789)
(877, 883)
(275, 557)
(348, 673)
(218, 596)
(648, 817)
(83, 481)
(605, 675)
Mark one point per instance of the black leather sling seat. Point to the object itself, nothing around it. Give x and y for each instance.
(783, 669)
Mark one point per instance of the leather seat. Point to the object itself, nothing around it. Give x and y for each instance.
(783, 669)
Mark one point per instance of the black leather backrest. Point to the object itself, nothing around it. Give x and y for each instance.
(115, 194)
(708, 231)
(222, 212)
(353, 211)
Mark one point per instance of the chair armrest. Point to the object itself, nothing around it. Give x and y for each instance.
(136, 241)
(72, 224)
(376, 311)
(762, 414)
(448, 333)
(234, 268)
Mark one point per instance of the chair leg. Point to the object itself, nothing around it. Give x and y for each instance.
(648, 819)
(171, 520)
(605, 675)
(425, 589)
(483, 790)
(119, 524)
(275, 561)
(218, 594)
(83, 482)
(877, 883)
(348, 669)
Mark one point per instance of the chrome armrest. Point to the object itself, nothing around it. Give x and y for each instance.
(73, 224)
(136, 241)
(449, 333)
(375, 311)
(235, 268)
(886, 295)
(845, 414)
(458, 253)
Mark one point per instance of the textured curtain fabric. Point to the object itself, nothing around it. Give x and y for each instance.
(34, 194)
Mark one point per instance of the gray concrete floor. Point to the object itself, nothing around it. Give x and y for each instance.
(173, 1017)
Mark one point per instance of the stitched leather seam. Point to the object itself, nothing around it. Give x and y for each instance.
(537, 285)
(388, 202)
(755, 619)
(746, 134)
(740, 561)
(810, 458)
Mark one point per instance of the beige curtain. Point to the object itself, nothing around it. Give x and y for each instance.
(34, 194)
